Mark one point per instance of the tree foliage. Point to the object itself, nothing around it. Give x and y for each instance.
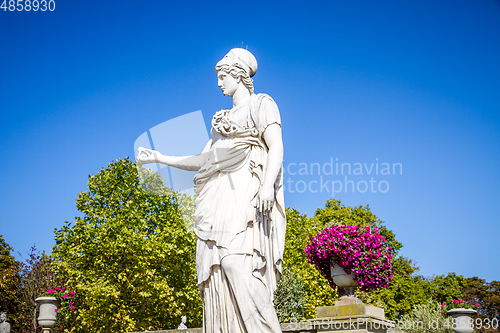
(487, 294)
(130, 258)
(337, 213)
(34, 275)
(447, 287)
(21, 284)
(8, 278)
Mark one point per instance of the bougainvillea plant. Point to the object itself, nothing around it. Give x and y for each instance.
(459, 303)
(357, 250)
(66, 298)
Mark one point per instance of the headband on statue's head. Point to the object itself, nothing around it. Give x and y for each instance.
(240, 57)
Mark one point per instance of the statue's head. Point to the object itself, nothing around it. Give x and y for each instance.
(240, 64)
(3, 317)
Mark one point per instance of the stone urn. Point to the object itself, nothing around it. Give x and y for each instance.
(48, 315)
(346, 282)
(462, 320)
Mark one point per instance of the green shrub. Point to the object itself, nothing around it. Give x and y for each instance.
(290, 297)
(426, 318)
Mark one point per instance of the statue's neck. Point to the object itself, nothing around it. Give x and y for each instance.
(241, 97)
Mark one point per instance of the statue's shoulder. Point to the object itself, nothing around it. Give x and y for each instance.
(264, 112)
(261, 97)
(264, 101)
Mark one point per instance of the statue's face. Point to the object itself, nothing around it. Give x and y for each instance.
(227, 83)
(3, 317)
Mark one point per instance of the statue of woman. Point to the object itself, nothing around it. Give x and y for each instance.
(240, 214)
(4, 325)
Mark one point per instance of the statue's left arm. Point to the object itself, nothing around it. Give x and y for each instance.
(274, 141)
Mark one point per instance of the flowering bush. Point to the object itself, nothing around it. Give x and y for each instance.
(66, 298)
(459, 303)
(423, 317)
(357, 250)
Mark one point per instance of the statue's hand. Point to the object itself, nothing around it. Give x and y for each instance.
(147, 156)
(266, 198)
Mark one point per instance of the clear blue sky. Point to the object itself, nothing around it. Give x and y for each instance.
(409, 82)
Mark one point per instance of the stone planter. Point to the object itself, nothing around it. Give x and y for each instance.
(343, 280)
(462, 320)
(48, 315)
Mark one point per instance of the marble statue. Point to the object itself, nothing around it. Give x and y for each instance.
(240, 213)
(4, 325)
(182, 325)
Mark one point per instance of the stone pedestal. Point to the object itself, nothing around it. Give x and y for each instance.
(351, 315)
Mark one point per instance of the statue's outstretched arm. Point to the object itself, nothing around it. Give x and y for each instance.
(190, 163)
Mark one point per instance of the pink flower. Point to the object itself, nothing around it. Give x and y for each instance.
(50, 291)
(56, 310)
(456, 301)
(65, 296)
(477, 304)
(72, 307)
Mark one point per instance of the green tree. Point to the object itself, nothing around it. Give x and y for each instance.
(447, 287)
(487, 294)
(337, 213)
(130, 258)
(8, 278)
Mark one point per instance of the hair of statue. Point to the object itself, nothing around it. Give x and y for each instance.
(237, 72)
